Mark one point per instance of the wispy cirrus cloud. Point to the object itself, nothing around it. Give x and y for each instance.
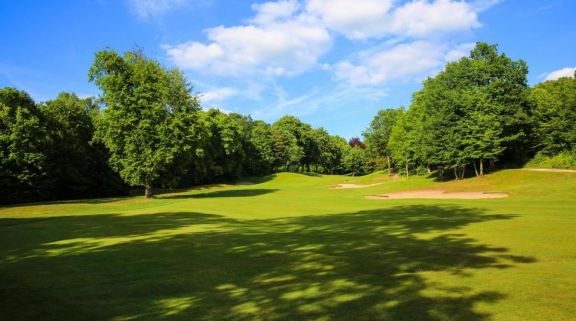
(145, 9)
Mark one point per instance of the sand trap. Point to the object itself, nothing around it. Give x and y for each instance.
(437, 194)
(244, 183)
(552, 170)
(342, 186)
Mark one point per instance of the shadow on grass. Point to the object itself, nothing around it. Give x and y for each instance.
(225, 193)
(192, 266)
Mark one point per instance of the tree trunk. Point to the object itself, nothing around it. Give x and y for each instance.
(428, 169)
(475, 169)
(148, 190)
(389, 166)
(481, 167)
(463, 172)
(407, 171)
(455, 173)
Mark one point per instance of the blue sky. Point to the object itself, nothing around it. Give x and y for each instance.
(332, 63)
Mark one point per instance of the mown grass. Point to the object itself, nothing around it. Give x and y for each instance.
(289, 248)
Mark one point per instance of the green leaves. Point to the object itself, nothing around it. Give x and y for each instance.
(474, 110)
(150, 123)
(554, 116)
(23, 147)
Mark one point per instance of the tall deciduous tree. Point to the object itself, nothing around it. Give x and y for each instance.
(377, 136)
(555, 116)
(355, 160)
(77, 165)
(149, 124)
(23, 145)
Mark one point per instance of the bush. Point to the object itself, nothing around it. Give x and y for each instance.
(563, 160)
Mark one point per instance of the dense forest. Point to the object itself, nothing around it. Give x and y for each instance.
(147, 129)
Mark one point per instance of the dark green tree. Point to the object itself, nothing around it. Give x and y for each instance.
(77, 166)
(23, 146)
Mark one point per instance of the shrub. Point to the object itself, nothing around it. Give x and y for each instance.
(565, 159)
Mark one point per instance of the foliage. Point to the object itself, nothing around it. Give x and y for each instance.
(563, 160)
(356, 142)
(474, 111)
(150, 125)
(355, 161)
(555, 115)
(77, 165)
(148, 130)
(377, 135)
(23, 148)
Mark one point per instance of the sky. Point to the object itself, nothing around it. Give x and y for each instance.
(331, 63)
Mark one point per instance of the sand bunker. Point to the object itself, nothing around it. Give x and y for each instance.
(437, 194)
(342, 186)
(551, 170)
(244, 183)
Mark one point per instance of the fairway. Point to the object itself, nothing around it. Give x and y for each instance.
(288, 247)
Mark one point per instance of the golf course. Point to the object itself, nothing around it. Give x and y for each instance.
(293, 247)
(288, 160)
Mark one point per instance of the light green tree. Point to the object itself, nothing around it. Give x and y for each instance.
(150, 121)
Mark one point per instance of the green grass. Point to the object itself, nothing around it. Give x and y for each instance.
(289, 248)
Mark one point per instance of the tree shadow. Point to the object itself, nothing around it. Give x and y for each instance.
(70, 201)
(225, 193)
(366, 265)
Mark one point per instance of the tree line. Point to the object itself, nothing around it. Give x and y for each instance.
(478, 111)
(147, 129)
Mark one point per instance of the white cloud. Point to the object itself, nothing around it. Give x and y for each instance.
(289, 37)
(358, 20)
(276, 43)
(271, 12)
(564, 72)
(403, 62)
(378, 18)
(462, 50)
(483, 5)
(218, 94)
(147, 8)
(421, 18)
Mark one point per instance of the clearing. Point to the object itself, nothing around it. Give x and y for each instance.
(288, 248)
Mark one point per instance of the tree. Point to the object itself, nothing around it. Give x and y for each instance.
(150, 121)
(302, 132)
(377, 136)
(23, 146)
(224, 149)
(355, 160)
(356, 142)
(402, 143)
(287, 152)
(554, 116)
(263, 143)
(77, 166)
(475, 110)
